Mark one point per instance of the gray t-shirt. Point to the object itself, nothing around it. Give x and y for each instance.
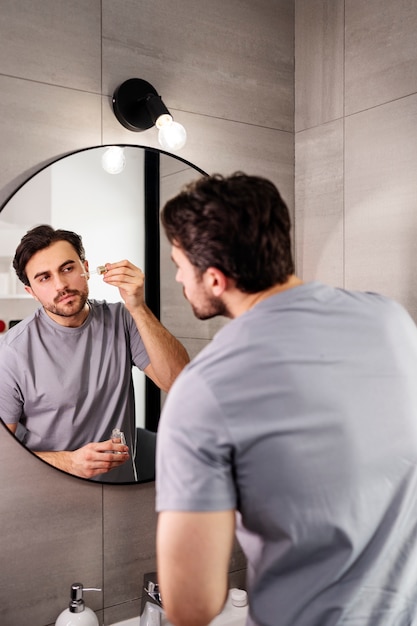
(302, 415)
(67, 387)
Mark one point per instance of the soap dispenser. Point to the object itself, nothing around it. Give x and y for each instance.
(77, 614)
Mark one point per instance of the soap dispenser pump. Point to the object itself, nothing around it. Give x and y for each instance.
(77, 614)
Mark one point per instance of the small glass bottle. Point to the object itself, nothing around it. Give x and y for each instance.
(118, 437)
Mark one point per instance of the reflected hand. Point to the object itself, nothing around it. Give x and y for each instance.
(90, 460)
(98, 458)
(130, 280)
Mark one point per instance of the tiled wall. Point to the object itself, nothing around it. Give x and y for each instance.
(225, 69)
(356, 144)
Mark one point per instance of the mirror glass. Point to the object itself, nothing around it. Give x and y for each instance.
(117, 216)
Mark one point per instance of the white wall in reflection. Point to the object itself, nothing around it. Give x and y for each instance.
(107, 210)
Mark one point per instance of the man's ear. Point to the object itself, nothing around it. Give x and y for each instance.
(216, 280)
(29, 290)
(86, 269)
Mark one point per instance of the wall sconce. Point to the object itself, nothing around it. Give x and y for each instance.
(137, 106)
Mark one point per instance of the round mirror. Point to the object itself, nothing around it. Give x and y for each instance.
(111, 197)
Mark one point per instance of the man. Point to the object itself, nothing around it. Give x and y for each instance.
(66, 371)
(298, 423)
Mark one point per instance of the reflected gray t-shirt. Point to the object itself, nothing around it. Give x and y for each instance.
(302, 415)
(70, 386)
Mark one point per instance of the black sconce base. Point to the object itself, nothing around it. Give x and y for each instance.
(130, 104)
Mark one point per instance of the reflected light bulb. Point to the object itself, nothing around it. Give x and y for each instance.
(172, 135)
(113, 160)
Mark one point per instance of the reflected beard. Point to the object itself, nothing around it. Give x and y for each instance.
(71, 307)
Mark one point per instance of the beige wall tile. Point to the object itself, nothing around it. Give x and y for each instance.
(51, 537)
(319, 54)
(381, 52)
(52, 41)
(129, 524)
(229, 60)
(380, 197)
(40, 122)
(319, 203)
(221, 146)
(377, 175)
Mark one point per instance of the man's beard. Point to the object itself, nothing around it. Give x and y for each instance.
(213, 307)
(69, 308)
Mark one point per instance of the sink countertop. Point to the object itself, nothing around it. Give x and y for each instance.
(230, 616)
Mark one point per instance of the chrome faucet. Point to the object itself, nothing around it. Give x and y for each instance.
(152, 589)
(151, 610)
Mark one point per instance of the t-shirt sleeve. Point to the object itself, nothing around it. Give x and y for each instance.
(139, 354)
(11, 401)
(194, 450)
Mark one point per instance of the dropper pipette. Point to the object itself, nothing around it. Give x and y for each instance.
(101, 269)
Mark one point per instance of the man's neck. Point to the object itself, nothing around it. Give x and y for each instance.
(240, 302)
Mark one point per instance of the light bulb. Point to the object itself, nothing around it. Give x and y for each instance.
(114, 160)
(163, 120)
(172, 135)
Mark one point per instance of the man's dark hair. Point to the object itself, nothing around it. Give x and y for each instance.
(39, 238)
(239, 224)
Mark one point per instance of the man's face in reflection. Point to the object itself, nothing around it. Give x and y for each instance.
(56, 281)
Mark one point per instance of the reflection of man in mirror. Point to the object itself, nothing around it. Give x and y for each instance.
(301, 415)
(66, 371)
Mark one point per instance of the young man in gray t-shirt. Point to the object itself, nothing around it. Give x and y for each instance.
(296, 427)
(65, 372)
